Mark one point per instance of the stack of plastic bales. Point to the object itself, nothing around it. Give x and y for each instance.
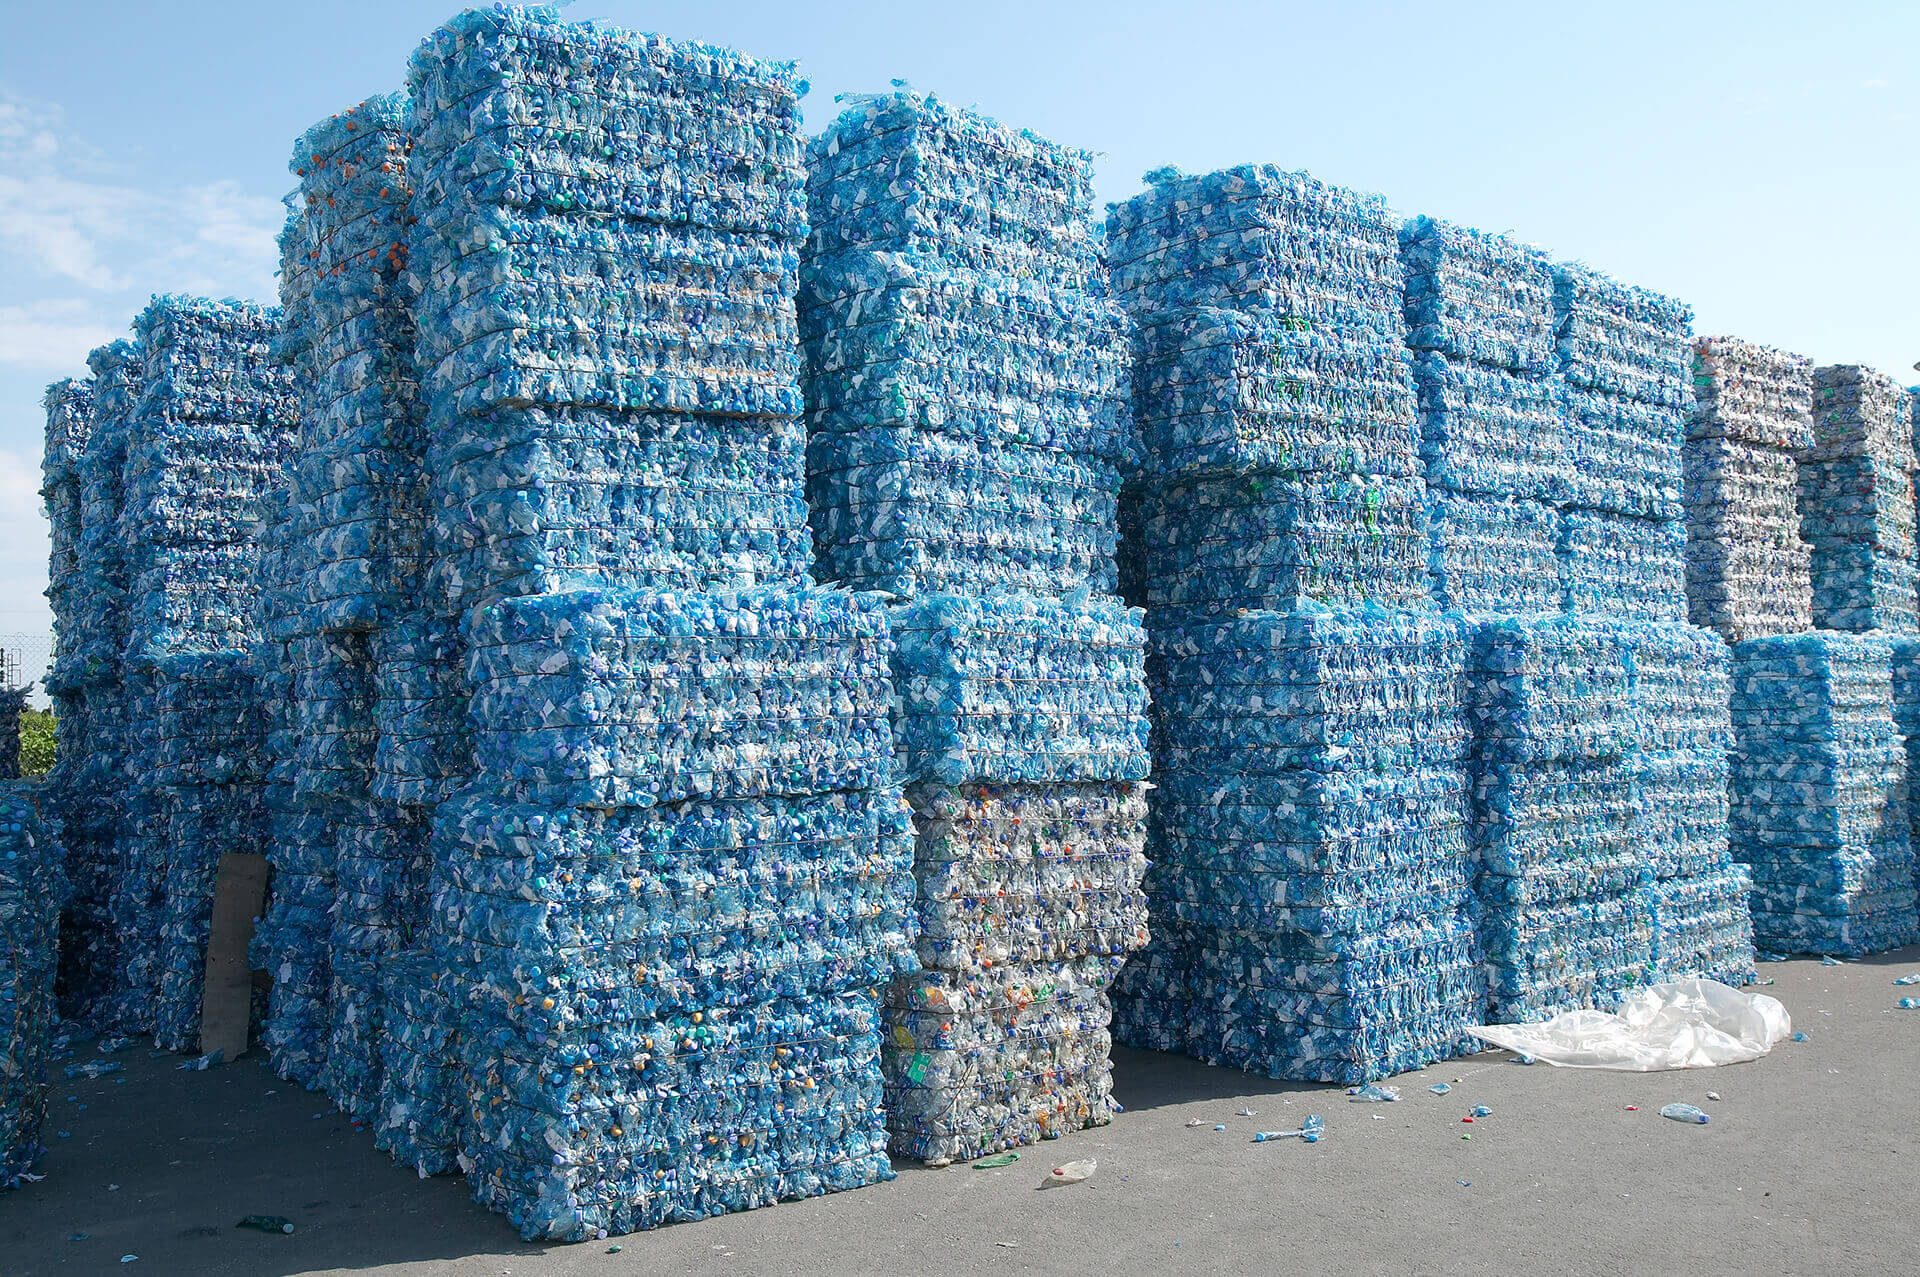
(353, 570)
(90, 791)
(1856, 501)
(86, 974)
(1906, 719)
(211, 437)
(1623, 353)
(1820, 795)
(1496, 453)
(1311, 890)
(1273, 395)
(1566, 914)
(1749, 574)
(32, 890)
(967, 410)
(662, 912)
(1681, 690)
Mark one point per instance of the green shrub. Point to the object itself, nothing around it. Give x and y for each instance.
(36, 742)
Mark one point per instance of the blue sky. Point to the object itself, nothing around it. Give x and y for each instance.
(1759, 160)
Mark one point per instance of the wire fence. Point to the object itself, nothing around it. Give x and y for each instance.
(26, 658)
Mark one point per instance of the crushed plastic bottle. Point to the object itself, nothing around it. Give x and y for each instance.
(1800, 1036)
(1075, 1172)
(1909, 979)
(1685, 1113)
(93, 1068)
(1373, 1093)
(1909, 1004)
(1481, 1110)
(1440, 1088)
(1310, 1131)
(201, 1063)
(267, 1223)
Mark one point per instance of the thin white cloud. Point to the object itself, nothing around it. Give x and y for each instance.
(66, 227)
(52, 334)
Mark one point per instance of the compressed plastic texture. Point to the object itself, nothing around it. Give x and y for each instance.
(1623, 567)
(912, 512)
(1490, 431)
(1020, 688)
(1749, 574)
(1272, 543)
(1493, 554)
(1856, 501)
(610, 698)
(980, 1061)
(1550, 688)
(516, 108)
(100, 615)
(1819, 794)
(1479, 297)
(1260, 238)
(578, 917)
(618, 1127)
(32, 890)
(1624, 455)
(1311, 885)
(1750, 393)
(1221, 392)
(533, 502)
(946, 187)
(891, 340)
(1621, 339)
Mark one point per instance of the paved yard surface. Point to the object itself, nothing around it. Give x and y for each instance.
(1809, 1165)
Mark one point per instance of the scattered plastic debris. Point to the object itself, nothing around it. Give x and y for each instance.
(266, 1223)
(1799, 1036)
(998, 1159)
(1829, 961)
(1685, 1113)
(1440, 1088)
(201, 1063)
(1198, 1121)
(94, 1068)
(1713, 1095)
(1909, 1004)
(1075, 1172)
(1481, 1110)
(1373, 1093)
(1310, 1131)
(1909, 979)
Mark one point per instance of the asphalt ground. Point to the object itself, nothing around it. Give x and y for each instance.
(1808, 1165)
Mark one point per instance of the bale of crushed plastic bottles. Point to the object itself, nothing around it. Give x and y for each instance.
(1749, 573)
(1856, 501)
(1819, 794)
(32, 890)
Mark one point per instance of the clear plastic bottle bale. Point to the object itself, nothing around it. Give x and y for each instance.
(424, 748)
(1624, 567)
(293, 941)
(335, 727)
(913, 512)
(203, 823)
(1550, 688)
(985, 1060)
(615, 1126)
(1310, 893)
(636, 912)
(1028, 873)
(1490, 431)
(612, 698)
(1856, 501)
(1751, 394)
(1623, 455)
(32, 890)
(552, 311)
(1020, 688)
(1264, 542)
(907, 173)
(1259, 238)
(1906, 708)
(1749, 573)
(1494, 554)
(69, 422)
(101, 622)
(532, 502)
(1620, 339)
(1221, 392)
(1476, 297)
(422, 1089)
(892, 341)
(517, 108)
(1819, 802)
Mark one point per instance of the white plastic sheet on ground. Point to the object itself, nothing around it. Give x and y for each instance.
(1683, 1024)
